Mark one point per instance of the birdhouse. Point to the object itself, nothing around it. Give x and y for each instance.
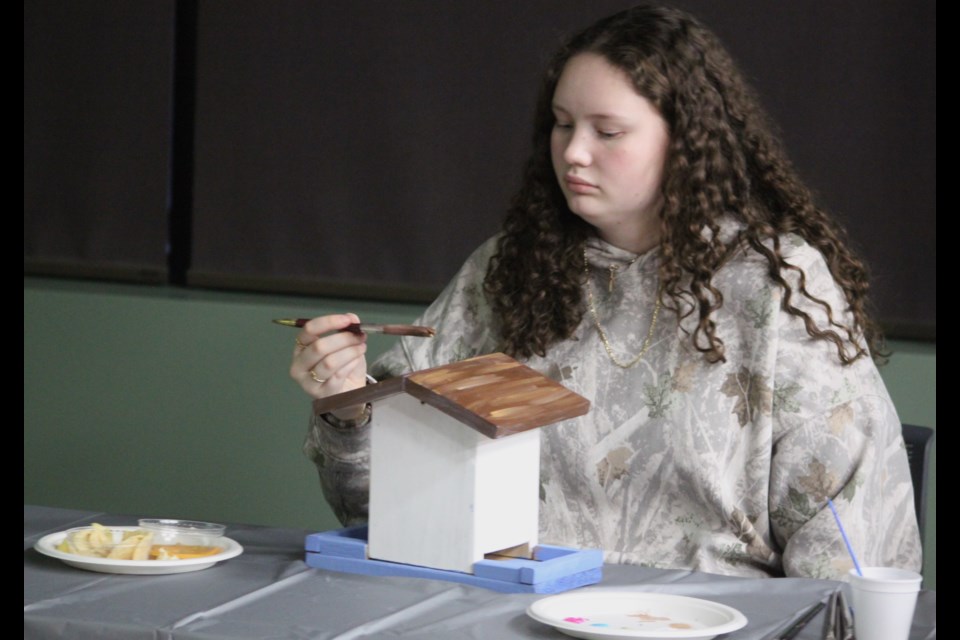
(455, 460)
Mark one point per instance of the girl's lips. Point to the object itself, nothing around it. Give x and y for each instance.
(579, 185)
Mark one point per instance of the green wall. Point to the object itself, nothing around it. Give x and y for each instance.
(158, 401)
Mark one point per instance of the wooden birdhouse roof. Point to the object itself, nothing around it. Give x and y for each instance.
(494, 394)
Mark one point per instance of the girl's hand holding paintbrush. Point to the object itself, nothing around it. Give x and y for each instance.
(329, 358)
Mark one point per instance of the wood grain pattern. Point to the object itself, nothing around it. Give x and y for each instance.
(494, 394)
(497, 395)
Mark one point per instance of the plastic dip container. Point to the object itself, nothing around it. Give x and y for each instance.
(183, 532)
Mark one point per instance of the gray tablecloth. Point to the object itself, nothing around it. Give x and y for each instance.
(268, 592)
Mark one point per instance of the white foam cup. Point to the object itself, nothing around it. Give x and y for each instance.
(883, 602)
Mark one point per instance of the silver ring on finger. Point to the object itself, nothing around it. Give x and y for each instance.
(316, 378)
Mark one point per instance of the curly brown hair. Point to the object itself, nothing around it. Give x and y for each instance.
(724, 161)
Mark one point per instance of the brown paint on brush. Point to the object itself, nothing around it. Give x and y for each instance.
(392, 329)
(367, 327)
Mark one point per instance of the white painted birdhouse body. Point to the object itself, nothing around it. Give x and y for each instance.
(442, 495)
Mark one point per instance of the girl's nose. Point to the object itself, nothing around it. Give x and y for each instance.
(577, 150)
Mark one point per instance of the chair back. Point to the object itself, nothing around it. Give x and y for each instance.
(919, 441)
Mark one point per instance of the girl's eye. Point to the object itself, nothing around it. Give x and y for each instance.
(562, 125)
(609, 135)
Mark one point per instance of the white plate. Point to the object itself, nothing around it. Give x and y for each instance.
(47, 545)
(604, 615)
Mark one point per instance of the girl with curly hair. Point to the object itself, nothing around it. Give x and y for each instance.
(663, 259)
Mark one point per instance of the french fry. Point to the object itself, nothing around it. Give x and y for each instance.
(142, 550)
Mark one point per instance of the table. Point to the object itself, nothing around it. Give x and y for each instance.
(268, 592)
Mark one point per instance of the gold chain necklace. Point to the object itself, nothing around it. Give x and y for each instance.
(596, 317)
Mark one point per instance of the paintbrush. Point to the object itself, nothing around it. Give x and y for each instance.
(367, 327)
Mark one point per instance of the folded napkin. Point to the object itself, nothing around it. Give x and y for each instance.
(839, 622)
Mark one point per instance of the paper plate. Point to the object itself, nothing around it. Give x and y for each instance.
(47, 545)
(605, 615)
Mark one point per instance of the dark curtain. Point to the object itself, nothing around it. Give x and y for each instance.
(97, 121)
(365, 148)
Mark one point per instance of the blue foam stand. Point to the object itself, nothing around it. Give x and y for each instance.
(552, 569)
